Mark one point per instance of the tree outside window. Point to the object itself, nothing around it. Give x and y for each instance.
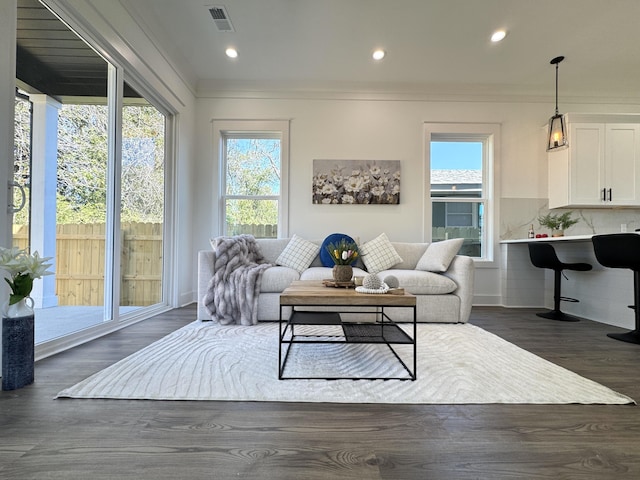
(252, 185)
(253, 163)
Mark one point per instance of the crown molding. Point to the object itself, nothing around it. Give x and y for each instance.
(398, 93)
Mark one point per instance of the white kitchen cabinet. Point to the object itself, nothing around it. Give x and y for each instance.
(599, 169)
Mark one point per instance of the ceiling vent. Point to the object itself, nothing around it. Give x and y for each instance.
(221, 19)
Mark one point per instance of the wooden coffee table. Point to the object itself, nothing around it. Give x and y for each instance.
(302, 294)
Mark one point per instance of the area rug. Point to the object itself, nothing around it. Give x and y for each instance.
(457, 364)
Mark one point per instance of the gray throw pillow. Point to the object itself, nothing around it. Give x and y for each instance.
(439, 255)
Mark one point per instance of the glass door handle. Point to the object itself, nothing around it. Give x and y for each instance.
(12, 208)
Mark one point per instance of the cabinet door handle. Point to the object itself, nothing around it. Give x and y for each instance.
(610, 195)
(604, 194)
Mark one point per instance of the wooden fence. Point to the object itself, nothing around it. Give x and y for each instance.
(80, 259)
(258, 231)
(471, 235)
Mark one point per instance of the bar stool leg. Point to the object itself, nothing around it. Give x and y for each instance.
(556, 314)
(634, 335)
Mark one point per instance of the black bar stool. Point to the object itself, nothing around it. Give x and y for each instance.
(622, 250)
(543, 255)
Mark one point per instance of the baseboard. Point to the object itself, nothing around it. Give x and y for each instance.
(487, 301)
(187, 298)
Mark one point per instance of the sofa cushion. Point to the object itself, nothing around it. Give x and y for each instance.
(277, 278)
(334, 239)
(323, 273)
(410, 253)
(298, 254)
(316, 273)
(271, 248)
(418, 282)
(378, 254)
(438, 256)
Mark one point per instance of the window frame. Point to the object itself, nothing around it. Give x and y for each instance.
(489, 135)
(223, 129)
(451, 215)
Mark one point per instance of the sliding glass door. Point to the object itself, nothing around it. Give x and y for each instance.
(141, 203)
(90, 159)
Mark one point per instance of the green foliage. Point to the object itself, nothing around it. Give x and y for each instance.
(82, 154)
(343, 252)
(68, 212)
(557, 221)
(252, 212)
(82, 163)
(22, 152)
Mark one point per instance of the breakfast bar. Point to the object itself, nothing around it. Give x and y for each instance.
(603, 293)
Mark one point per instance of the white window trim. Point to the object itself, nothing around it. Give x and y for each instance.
(490, 176)
(239, 127)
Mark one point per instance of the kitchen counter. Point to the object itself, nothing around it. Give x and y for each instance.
(603, 293)
(567, 238)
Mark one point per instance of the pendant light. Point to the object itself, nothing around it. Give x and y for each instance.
(557, 127)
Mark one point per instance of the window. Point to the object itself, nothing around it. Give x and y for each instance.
(253, 161)
(460, 160)
(461, 215)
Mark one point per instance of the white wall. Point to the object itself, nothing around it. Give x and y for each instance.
(391, 130)
(7, 98)
(361, 129)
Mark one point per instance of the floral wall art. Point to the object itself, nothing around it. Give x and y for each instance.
(356, 182)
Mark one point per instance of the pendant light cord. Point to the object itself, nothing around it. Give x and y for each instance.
(557, 88)
(556, 61)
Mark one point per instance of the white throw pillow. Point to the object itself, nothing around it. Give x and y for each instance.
(439, 255)
(298, 254)
(378, 254)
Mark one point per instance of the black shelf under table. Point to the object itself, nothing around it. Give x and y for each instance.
(382, 331)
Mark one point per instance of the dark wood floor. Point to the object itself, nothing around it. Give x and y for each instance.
(42, 438)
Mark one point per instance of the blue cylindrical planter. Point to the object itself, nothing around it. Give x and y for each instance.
(17, 352)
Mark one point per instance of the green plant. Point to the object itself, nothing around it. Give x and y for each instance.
(344, 252)
(557, 221)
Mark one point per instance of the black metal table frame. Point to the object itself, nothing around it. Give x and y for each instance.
(382, 322)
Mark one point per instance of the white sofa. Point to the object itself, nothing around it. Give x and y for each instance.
(440, 297)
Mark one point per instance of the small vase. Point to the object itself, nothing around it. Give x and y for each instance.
(557, 233)
(342, 273)
(18, 322)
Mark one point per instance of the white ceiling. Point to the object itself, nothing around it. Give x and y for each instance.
(433, 46)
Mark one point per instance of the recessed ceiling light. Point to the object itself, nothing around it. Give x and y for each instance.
(379, 54)
(231, 52)
(498, 35)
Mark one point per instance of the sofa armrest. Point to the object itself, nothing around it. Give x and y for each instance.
(462, 271)
(206, 260)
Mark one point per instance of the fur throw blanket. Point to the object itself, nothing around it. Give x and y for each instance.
(232, 294)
